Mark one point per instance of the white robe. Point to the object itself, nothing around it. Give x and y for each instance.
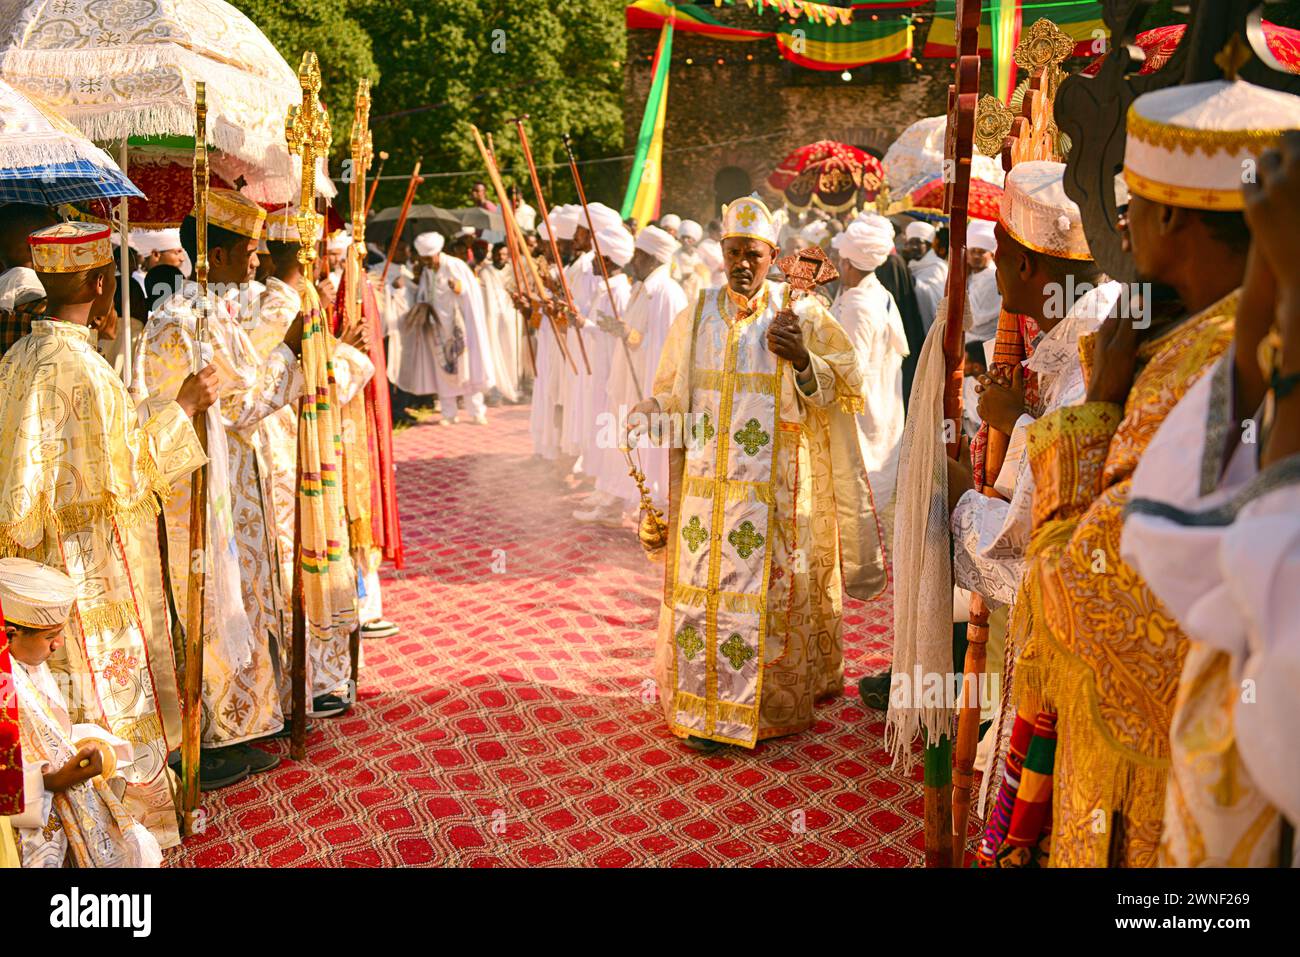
(985, 305)
(930, 277)
(1219, 545)
(502, 321)
(872, 322)
(549, 384)
(651, 308)
(417, 356)
(586, 284)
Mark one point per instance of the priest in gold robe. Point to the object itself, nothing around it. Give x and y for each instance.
(245, 619)
(769, 515)
(65, 413)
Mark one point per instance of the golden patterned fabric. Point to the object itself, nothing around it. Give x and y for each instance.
(759, 509)
(1102, 651)
(235, 212)
(79, 487)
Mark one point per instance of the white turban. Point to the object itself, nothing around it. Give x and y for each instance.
(979, 235)
(658, 243)
(149, 241)
(616, 243)
(815, 233)
(919, 230)
(866, 243)
(429, 244)
(690, 229)
(339, 242)
(602, 216)
(671, 221)
(565, 221)
(35, 595)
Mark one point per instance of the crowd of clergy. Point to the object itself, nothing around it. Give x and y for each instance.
(1138, 554)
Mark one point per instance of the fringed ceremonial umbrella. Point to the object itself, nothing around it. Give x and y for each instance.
(833, 176)
(1159, 45)
(926, 201)
(916, 157)
(46, 161)
(123, 71)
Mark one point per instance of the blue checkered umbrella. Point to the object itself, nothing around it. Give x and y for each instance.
(56, 183)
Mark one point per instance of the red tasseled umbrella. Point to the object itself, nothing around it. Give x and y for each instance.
(834, 176)
(985, 199)
(1159, 45)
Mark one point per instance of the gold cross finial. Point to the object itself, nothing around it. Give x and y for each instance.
(307, 131)
(1233, 57)
(993, 121)
(362, 156)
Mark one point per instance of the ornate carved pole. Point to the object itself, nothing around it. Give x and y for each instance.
(555, 248)
(191, 730)
(307, 132)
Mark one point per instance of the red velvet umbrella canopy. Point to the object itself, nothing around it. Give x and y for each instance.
(985, 199)
(1159, 45)
(834, 176)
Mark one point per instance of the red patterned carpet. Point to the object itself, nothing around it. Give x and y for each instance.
(512, 722)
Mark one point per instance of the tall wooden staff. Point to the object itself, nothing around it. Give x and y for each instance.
(374, 185)
(512, 226)
(963, 96)
(1015, 139)
(415, 181)
(550, 234)
(513, 243)
(197, 579)
(595, 246)
(363, 154)
(307, 133)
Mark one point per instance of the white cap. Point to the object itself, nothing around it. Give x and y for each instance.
(1189, 145)
(749, 218)
(920, 230)
(35, 595)
(979, 235)
(815, 233)
(429, 244)
(659, 243)
(866, 242)
(670, 221)
(1037, 213)
(339, 242)
(149, 241)
(690, 229)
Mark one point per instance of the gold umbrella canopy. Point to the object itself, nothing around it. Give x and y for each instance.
(118, 70)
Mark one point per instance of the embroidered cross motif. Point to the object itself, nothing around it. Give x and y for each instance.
(689, 640)
(744, 539)
(736, 651)
(746, 216)
(703, 430)
(120, 667)
(752, 437)
(694, 533)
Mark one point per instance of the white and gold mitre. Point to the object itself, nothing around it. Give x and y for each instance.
(35, 595)
(1037, 213)
(1194, 146)
(749, 218)
(71, 247)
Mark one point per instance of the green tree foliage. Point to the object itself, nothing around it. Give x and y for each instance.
(339, 40)
(437, 66)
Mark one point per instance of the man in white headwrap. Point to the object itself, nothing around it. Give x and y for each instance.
(444, 335)
(72, 813)
(982, 281)
(601, 457)
(866, 311)
(688, 268)
(584, 393)
(769, 517)
(929, 272)
(670, 223)
(546, 419)
(503, 326)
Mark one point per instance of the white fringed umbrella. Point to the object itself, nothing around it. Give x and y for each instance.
(126, 69)
(917, 157)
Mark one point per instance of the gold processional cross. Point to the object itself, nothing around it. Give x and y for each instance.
(307, 131)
